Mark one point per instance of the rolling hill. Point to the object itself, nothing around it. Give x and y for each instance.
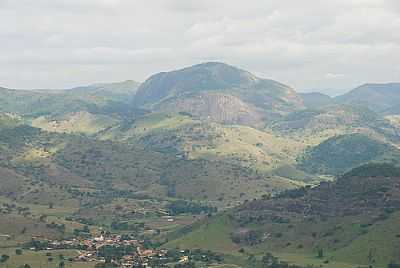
(342, 222)
(316, 100)
(77, 161)
(332, 117)
(377, 97)
(189, 138)
(340, 154)
(101, 98)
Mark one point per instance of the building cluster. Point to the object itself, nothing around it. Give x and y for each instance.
(92, 250)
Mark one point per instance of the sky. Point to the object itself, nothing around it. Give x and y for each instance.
(308, 44)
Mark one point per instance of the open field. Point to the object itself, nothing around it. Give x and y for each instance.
(43, 259)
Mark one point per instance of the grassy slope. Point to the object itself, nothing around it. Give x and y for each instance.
(80, 122)
(95, 98)
(365, 227)
(342, 153)
(53, 160)
(215, 235)
(239, 145)
(382, 241)
(39, 259)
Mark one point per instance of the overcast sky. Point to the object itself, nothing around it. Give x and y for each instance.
(308, 44)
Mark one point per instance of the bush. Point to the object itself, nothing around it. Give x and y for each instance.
(181, 207)
(4, 258)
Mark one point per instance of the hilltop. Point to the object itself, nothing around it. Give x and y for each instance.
(219, 92)
(101, 98)
(340, 154)
(315, 100)
(377, 97)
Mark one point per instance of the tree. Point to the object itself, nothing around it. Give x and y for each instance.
(86, 229)
(4, 258)
(252, 260)
(268, 260)
(185, 265)
(18, 251)
(42, 218)
(61, 264)
(371, 255)
(320, 253)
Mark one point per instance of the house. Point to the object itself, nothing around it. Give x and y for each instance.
(184, 259)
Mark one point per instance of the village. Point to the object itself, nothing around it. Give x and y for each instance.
(112, 250)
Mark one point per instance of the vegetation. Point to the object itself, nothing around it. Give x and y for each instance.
(342, 153)
(222, 172)
(182, 207)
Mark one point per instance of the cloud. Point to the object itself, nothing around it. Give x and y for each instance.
(307, 44)
(334, 76)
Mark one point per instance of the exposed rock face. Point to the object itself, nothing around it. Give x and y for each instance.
(216, 107)
(220, 92)
(201, 77)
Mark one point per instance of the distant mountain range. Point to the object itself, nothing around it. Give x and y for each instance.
(381, 98)
(210, 90)
(377, 97)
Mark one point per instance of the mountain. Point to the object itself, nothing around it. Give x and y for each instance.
(347, 223)
(331, 92)
(393, 110)
(315, 100)
(102, 98)
(342, 153)
(377, 97)
(332, 119)
(217, 91)
(122, 92)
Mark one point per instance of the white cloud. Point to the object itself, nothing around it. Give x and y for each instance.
(334, 76)
(307, 44)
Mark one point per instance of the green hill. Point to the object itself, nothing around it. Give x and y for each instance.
(72, 160)
(342, 153)
(103, 98)
(343, 222)
(332, 117)
(9, 120)
(316, 100)
(189, 138)
(377, 97)
(77, 122)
